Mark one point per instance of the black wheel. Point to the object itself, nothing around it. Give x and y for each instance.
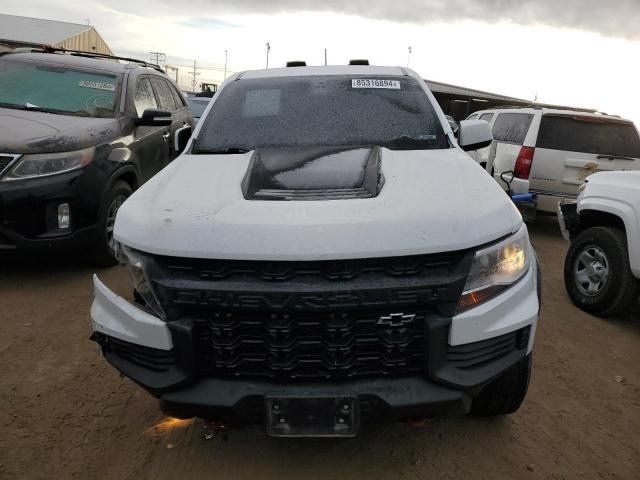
(505, 394)
(597, 274)
(102, 252)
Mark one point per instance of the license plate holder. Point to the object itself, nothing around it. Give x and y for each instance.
(312, 416)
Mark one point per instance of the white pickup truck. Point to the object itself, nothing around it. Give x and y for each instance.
(324, 252)
(602, 268)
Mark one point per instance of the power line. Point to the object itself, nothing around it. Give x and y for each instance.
(194, 73)
(158, 56)
(268, 50)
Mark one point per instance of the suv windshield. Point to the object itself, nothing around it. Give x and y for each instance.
(309, 111)
(589, 135)
(57, 89)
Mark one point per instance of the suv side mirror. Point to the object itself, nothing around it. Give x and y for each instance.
(152, 117)
(182, 138)
(474, 134)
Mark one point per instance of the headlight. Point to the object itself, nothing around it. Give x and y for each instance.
(43, 164)
(135, 263)
(496, 268)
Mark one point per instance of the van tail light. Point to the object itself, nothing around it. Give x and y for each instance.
(523, 163)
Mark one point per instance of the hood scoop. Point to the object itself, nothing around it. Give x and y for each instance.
(318, 173)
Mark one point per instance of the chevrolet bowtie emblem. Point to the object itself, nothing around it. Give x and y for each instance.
(396, 319)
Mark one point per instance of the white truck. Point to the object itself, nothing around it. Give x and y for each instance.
(602, 268)
(324, 253)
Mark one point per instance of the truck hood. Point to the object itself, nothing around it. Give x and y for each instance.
(23, 131)
(620, 179)
(432, 201)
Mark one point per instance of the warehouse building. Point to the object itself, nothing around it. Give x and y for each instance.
(460, 102)
(16, 32)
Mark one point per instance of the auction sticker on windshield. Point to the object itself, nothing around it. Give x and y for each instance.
(375, 83)
(97, 85)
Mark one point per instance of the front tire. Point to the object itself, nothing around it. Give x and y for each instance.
(597, 273)
(505, 394)
(102, 252)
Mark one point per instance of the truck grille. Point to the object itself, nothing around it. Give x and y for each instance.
(280, 346)
(308, 320)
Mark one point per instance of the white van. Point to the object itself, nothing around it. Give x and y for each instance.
(556, 150)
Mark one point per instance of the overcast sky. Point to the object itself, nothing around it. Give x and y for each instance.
(574, 52)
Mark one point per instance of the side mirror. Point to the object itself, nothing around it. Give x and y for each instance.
(474, 134)
(181, 139)
(152, 117)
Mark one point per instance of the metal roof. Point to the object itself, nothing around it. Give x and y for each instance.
(37, 30)
(445, 88)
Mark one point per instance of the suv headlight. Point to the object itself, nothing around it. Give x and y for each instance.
(135, 263)
(43, 164)
(496, 268)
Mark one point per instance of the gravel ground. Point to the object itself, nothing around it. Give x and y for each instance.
(66, 414)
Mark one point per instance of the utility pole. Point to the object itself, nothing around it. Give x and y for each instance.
(268, 50)
(194, 73)
(409, 56)
(325, 57)
(175, 69)
(158, 56)
(226, 55)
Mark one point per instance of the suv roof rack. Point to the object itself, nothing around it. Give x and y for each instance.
(539, 106)
(297, 63)
(531, 105)
(81, 53)
(359, 61)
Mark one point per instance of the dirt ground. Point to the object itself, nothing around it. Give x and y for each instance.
(64, 413)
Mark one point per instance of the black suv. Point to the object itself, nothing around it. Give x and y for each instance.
(78, 134)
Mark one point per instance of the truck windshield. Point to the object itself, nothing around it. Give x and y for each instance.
(330, 110)
(57, 89)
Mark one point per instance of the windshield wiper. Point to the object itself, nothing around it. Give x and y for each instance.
(30, 107)
(13, 106)
(224, 151)
(406, 142)
(616, 157)
(35, 108)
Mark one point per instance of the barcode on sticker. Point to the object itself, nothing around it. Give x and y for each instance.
(375, 83)
(97, 85)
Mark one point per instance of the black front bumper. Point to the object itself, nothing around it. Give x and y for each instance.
(452, 377)
(242, 402)
(28, 212)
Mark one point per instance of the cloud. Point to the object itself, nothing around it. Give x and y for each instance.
(613, 18)
(209, 23)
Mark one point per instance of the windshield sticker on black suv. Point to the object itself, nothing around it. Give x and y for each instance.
(373, 83)
(97, 85)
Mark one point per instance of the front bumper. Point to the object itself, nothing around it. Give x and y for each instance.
(463, 354)
(28, 212)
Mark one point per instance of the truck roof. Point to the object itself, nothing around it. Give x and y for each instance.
(327, 70)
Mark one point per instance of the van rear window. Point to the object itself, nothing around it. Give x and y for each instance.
(586, 135)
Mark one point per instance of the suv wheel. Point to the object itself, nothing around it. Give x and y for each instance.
(597, 274)
(505, 394)
(103, 251)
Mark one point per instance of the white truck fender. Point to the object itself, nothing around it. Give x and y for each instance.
(627, 214)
